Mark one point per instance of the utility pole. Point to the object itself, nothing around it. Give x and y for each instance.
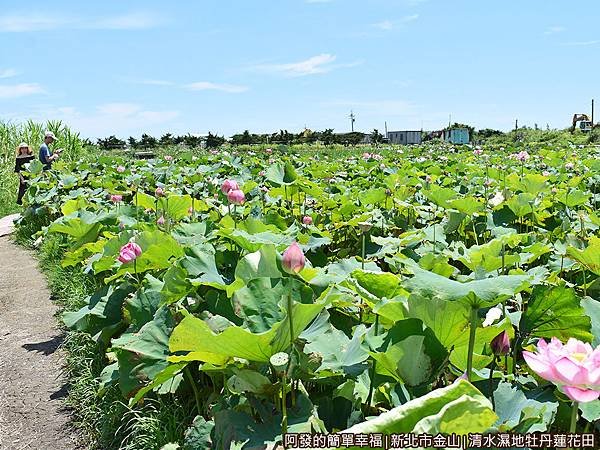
(592, 113)
(516, 124)
(386, 133)
(352, 120)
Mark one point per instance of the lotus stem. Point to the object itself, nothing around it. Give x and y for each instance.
(574, 411)
(290, 317)
(473, 328)
(475, 232)
(362, 262)
(284, 419)
(195, 389)
(491, 382)
(373, 367)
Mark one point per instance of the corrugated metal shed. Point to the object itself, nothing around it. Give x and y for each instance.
(457, 135)
(404, 137)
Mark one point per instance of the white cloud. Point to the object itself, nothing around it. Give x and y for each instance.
(8, 73)
(555, 29)
(207, 85)
(121, 119)
(388, 25)
(582, 43)
(132, 21)
(315, 65)
(33, 22)
(19, 90)
(384, 25)
(119, 109)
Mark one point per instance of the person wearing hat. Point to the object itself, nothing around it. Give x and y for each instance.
(46, 156)
(24, 155)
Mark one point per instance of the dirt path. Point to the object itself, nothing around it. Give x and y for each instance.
(31, 385)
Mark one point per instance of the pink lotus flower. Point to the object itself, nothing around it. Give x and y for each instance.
(293, 259)
(569, 166)
(269, 151)
(573, 367)
(546, 173)
(120, 169)
(129, 252)
(307, 220)
(168, 158)
(522, 156)
(478, 151)
(229, 185)
(191, 210)
(159, 192)
(115, 198)
(160, 221)
(261, 173)
(236, 197)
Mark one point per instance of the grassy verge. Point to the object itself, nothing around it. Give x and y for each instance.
(106, 422)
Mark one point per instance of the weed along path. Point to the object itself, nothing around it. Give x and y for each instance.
(32, 415)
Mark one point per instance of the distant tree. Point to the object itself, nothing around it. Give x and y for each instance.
(376, 136)
(166, 139)
(148, 141)
(327, 136)
(214, 141)
(111, 143)
(192, 141)
(133, 143)
(487, 133)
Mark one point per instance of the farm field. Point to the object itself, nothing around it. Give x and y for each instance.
(242, 296)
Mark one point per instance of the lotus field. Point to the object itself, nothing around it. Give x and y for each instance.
(429, 290)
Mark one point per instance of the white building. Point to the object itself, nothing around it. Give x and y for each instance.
(404, 137)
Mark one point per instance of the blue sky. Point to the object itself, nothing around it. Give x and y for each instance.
(124, 68)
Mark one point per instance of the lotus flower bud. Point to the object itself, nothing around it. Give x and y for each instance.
(229, 185)
(120, 169)
(160, 221)
(307, 220)
(501, 344)
(168, 158)
(293, 259)
(129, 252)
(115, 198)
(236, 197)
(159, 192)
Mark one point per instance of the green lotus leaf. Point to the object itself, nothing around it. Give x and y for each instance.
(194, 335)
(555, 311)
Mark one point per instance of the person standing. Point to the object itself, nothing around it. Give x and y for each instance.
(24, 156)
(46, 155)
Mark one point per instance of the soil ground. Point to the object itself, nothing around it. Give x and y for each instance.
(32, 386)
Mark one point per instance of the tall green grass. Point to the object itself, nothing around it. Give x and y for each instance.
(11, 135)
